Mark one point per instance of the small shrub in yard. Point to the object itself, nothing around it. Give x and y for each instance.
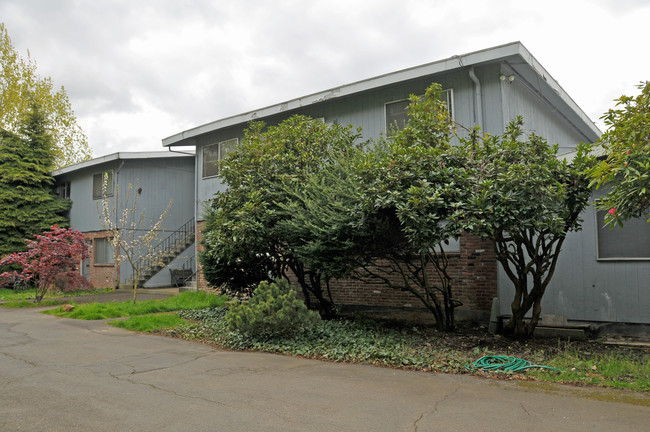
(273, 310)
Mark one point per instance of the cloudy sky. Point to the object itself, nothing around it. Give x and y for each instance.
(137, 71)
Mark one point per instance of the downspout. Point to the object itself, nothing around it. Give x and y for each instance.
(478, 104)
(493, 326)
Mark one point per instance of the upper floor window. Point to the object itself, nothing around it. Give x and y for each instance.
(397, 112)
(98, 184)
(214, 153)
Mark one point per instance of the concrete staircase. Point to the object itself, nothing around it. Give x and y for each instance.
(166, 251)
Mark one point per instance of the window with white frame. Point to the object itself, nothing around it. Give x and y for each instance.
(103, 251)
(632, 242)
(98, 184)
(396, 113)
(214, 153)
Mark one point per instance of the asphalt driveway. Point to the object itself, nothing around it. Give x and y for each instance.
(69, 375)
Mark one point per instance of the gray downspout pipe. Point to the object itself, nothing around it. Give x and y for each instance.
(478, 104)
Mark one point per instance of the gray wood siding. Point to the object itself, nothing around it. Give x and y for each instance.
(539, 117)
(585, 289)
(367, 111)
(160, 180)
(84, 214)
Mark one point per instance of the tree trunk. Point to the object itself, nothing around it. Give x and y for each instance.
(135, 284)
(516, 327)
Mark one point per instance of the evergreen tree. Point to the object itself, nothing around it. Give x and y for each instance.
(27, 204)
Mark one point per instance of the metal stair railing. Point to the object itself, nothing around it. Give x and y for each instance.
(168, 249)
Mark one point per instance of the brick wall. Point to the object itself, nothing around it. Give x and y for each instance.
(473, 271)
(101, 275)
(474, 282)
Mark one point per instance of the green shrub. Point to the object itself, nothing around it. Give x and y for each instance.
(273, 310)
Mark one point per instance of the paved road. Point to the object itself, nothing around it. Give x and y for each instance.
(69, 375)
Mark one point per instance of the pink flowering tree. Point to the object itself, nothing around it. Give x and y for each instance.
(50, 262)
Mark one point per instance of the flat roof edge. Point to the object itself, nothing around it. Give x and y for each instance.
(119, 156)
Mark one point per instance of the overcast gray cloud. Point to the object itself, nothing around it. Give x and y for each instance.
(138, 71)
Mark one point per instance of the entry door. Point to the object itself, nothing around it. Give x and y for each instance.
(85, 265)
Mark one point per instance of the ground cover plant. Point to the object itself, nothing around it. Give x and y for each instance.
(427, 349)
(183, 301)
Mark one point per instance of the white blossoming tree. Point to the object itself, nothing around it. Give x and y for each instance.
(133, 239)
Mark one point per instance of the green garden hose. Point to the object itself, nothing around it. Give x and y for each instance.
(505, 363)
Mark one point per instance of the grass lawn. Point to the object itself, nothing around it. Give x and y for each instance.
(25, 298)
(183, 301)
(150, 323)
(18, 304)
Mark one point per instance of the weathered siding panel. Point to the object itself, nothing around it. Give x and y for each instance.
(365, 110)
(160, 180)
(84, 214)
(539, 116)
(585, 289)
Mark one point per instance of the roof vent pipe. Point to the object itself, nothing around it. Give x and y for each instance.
(478, 105)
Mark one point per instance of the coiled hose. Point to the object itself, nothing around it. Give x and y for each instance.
(505, 363)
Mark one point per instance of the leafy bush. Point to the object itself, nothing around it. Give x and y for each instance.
(274, 310)
(67, 282)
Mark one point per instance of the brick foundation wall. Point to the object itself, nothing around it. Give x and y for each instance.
(473, 271)
(474, 282)
(101, 275)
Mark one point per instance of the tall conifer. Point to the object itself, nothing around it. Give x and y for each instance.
(27, 203)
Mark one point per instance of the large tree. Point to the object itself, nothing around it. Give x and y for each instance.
(385, 216)
(243, 240)
(27, 204)
(626, 167)
(21, 87)
(526, 200)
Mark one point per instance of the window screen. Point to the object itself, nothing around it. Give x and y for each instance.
(630, 242)
(397, 112)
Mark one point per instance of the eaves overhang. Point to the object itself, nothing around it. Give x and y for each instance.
(118, 156)
(514, 54)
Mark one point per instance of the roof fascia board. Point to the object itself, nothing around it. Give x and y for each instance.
(553, 92)
(118, 156)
